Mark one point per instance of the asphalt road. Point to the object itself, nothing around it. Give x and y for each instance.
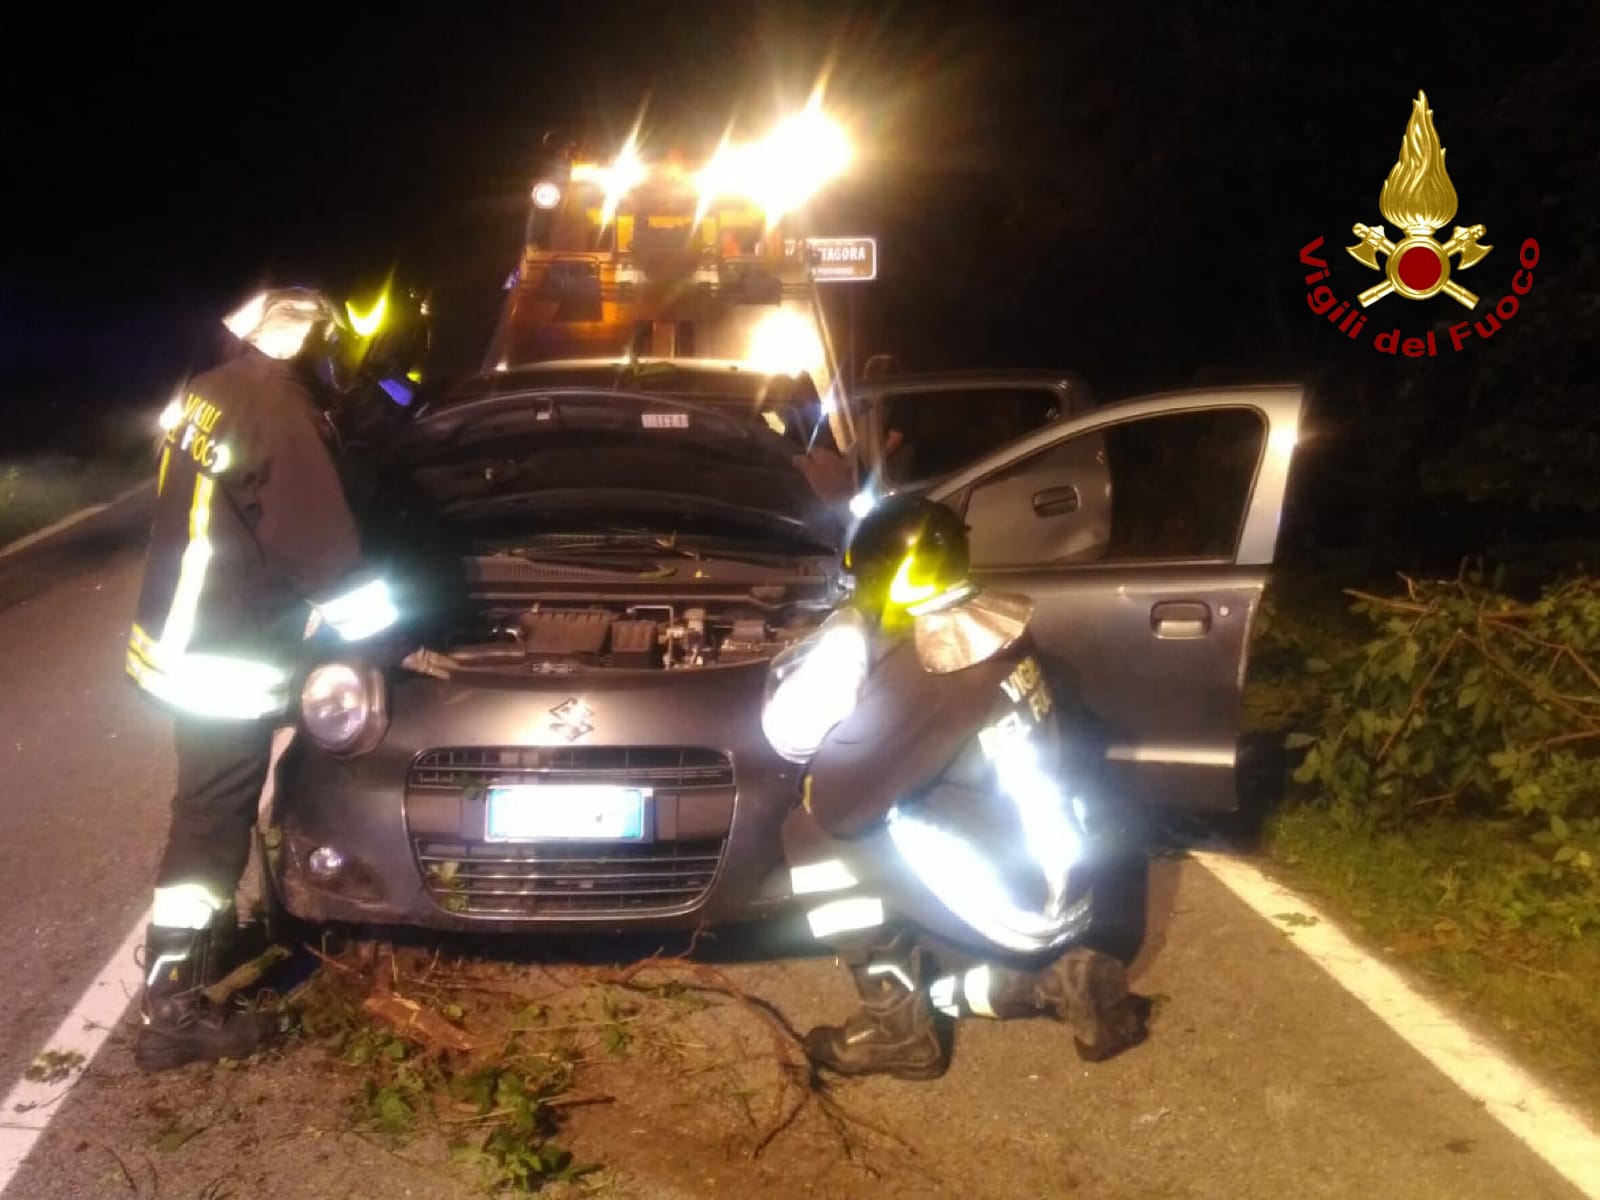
(1261, 1077)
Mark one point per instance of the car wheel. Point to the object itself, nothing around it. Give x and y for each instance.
(1263, 775)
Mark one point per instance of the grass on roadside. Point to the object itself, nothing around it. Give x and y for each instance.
(1479, 902)
(1442, 900)
(38, 490)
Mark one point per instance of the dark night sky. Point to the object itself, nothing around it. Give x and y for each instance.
(1117, 188)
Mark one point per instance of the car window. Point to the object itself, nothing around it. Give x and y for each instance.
(1169, 487)
(934, 433)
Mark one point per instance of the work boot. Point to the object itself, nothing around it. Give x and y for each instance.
(177, 1023)
(1089, 992)
(895, 1032)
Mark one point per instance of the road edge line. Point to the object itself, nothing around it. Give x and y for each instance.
(71, 519)
(1546, 1124)
(84, 1030)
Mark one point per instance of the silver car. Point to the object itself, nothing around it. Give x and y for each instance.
(595, 563)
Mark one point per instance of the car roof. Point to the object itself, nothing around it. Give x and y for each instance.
(1038, 377)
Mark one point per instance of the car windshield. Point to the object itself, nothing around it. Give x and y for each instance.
(579, 460)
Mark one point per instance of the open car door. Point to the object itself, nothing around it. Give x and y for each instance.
(918, 429)
(1143, 532)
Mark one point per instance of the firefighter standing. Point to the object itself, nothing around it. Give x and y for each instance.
(251, 524)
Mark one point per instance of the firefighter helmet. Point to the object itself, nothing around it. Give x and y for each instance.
(286, 322)
(383, 343)
(908, 555)
(392, 337)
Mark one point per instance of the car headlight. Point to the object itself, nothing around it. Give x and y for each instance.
(814, 685)
(342, 707)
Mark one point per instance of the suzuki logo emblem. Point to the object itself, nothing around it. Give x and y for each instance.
(573, 719)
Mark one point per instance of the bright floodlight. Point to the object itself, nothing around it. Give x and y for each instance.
(621, 177)
(783, 170)
(805, 151)
(784, 343)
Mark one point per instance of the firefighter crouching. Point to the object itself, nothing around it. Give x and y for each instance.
(252, 530)
(945, 844)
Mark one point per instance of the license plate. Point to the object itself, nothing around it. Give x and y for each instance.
(565, 812)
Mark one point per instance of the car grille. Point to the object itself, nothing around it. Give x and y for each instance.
(551, 879)
(544, 880)
(673, 767)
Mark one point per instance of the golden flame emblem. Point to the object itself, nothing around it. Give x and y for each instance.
(1418, 195)
(1419, 198)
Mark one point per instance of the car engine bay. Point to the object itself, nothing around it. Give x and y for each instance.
(649, 634)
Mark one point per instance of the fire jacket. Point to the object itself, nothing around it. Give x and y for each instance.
(911, 726)
(251, 527)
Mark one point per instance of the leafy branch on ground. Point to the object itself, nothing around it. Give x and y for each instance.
(492, 1058)
(491, 1094)
(1470, 701)
(53, 1066)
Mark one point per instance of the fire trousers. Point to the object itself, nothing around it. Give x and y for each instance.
(222, 766)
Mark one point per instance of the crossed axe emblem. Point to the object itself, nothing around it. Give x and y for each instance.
(1422, 258)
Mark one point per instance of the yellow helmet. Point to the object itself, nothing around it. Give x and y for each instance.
(908, 555)
(387, 339)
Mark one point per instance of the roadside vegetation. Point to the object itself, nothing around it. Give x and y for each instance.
(494, 1075)
(1446, 799)
(37, 490)
(88, 461)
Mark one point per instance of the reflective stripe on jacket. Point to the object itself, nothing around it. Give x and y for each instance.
(250, 522)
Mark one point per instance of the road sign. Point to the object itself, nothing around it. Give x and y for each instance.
(843, 259)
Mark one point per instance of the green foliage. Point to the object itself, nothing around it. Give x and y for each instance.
(495, 1113)
(53, 1066)
(514, 1151)
(1299, 630)
(1465, 700)
(38, 490)
(614, 1034)
(396, 1090)
(445, 881)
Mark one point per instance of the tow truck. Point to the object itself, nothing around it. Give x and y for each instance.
(655, 260)
(643, 261)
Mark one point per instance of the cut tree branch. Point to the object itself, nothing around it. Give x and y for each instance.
(1416, 697)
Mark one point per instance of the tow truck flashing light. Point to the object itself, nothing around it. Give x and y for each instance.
(778, 173)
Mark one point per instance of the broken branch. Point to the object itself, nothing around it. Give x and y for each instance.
(422, 1025)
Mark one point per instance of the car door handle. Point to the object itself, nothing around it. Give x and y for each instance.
(1181, 619)
(1053, 502)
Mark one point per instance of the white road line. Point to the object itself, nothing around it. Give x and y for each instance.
(67, 522)
(1552, 1129)
(29, 1108)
